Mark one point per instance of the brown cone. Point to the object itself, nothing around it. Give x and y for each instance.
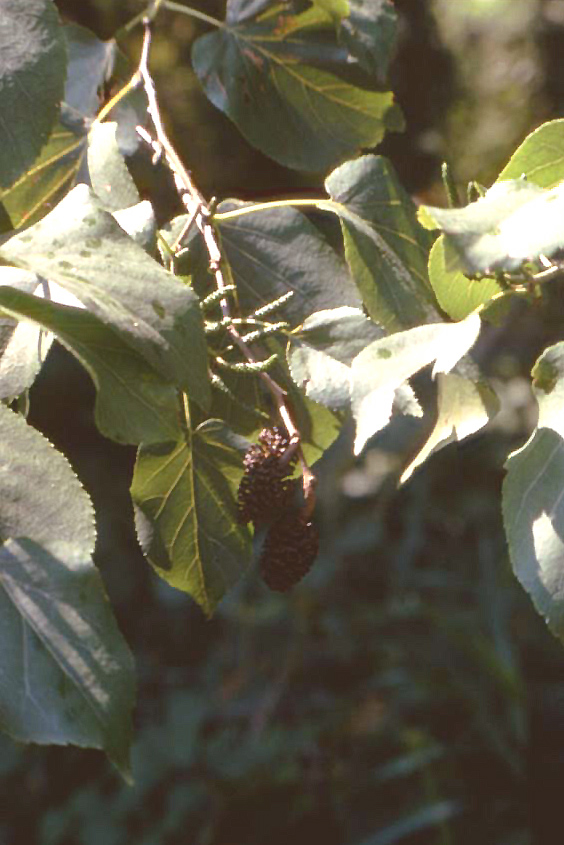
(265, 488)
(290, 548)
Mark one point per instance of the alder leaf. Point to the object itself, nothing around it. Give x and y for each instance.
(386, 364)
(268, 74)
(464, 407)
(514, 222)
(62, 161)
(109, 176)
(23, 345)
(369, 31)
(80, 246)
(51, 175)
(184, 493)
(539, 158)
(385, 247)
(270, 253)
(533, 500)
(133, 403)
(32, 79)
(458, 295)
(66, 674)
(320, 353)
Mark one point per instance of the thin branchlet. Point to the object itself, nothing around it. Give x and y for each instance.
(200, 214)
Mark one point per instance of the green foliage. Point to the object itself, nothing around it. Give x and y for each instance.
(67, 673)
(271, 75)
(184, 493)
(32, 78)
(254, 314)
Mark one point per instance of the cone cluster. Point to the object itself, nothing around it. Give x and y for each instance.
(266, 488)
(265, 497)
(289, 550)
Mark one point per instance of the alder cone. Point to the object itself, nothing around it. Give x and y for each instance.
(265, 488)
(290, 548)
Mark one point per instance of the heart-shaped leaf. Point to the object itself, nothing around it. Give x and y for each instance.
(271, 253)
(268, 74)
(32, 79)
(80, 246)
(386, 248)
(539, 157)
(321, 352)
(514, 222)
(533, 503)
(386, 364)
(464, 407)
(23, 346)
(133, 403)
(184, 493)
(66, 672)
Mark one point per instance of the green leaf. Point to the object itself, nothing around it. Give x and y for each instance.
(91, 63)
(336, 9)
(80, 246)
(109, 176)
(533, 505)
(23, 346)
(386, 248)
(51, 175)
(32, 79)
(369, 31)
(133, 404)
(514, 222)
(66, 672)
(539, 158)
(457, 295)
(321, 352)
(61, 162)
(184, 493)
(272, 252)
(386, 364)
(267, 75)
(140, 223)
(464, 407)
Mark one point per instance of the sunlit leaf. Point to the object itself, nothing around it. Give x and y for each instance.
(62, 162)
(533, 501)
(91, 62)
(133, 403)
(272, 252)
(464, 407)
(369, 31)
(514, 222)
(184, 493)
(268, 76)
(53, 173)
(23, 346)
(457, 295)
(386, 248)
(386, 364)
(539, 157)
(80, 246)
(66, 672)
(109, 176)
(32, 78)
(321, 352)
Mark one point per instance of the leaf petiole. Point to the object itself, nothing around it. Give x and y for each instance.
(193, 13)
(320, 204)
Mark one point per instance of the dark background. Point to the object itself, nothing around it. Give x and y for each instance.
(406, 691)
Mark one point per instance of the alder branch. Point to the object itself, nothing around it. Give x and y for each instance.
(201, 215)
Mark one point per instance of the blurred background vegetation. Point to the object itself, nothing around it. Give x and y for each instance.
(406, 691)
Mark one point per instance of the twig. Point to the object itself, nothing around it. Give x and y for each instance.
(200, 214)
